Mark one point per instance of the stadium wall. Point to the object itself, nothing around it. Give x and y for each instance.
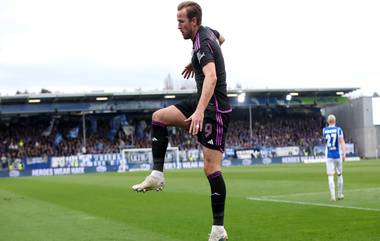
(116, 165)
(356, 120)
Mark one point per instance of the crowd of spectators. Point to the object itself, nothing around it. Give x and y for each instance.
(298, 130)
(37, 136)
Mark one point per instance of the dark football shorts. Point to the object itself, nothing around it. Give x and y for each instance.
(215, 124)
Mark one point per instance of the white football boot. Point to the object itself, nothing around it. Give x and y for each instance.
(218, 233)
(340, 196)
(150, 183)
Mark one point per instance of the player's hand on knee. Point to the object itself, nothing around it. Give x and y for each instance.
(196, 122)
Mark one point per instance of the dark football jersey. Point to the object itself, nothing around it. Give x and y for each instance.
(206, 49)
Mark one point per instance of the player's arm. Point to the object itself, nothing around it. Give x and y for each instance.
(221, 39)
(342, 143)
(208, 88)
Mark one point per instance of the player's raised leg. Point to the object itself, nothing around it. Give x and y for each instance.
(169, 116)
(212, 169)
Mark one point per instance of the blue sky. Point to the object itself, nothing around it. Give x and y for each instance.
(82, 45)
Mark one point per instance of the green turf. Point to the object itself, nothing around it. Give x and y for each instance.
(102, 206)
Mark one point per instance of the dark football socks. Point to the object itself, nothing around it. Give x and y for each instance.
(218, 197)
(159, 145)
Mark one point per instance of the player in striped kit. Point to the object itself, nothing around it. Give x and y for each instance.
(335, 155)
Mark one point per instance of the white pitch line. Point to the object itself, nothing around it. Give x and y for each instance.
(311, 204)
(316, 193)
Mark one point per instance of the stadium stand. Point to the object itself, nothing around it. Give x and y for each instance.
(63, 137)
(54, 127)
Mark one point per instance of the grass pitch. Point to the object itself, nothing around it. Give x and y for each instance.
(274, 203)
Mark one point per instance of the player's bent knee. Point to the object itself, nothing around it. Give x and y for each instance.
(159, 116)
(156, 115)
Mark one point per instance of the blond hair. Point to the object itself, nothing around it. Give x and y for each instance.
(331, 119)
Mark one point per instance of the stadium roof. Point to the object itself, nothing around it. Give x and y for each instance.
(147, 101)
(157, 95)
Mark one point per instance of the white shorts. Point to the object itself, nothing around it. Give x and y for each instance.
(334, 165)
